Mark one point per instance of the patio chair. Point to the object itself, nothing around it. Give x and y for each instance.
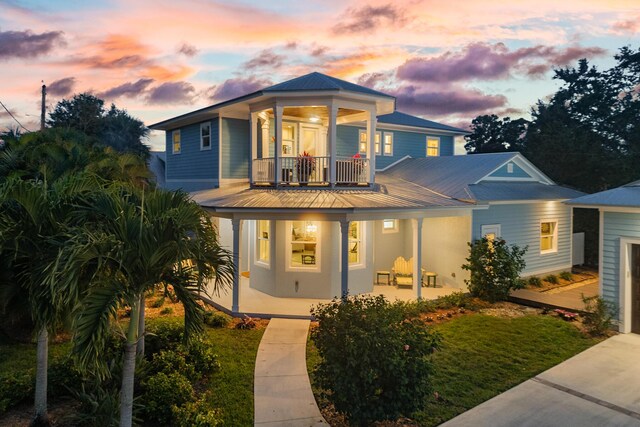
(403, 272)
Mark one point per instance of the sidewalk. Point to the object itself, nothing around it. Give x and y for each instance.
(282, 391)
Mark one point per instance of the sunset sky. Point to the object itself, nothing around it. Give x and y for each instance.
(444, 60)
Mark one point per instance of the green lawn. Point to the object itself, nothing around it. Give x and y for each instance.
(482, 356)
(231, 388)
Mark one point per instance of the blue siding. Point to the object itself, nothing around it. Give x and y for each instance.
(193, 169)
(235, 148)
(412, 144)
(520, 225)
(518, 172)
(616, 225)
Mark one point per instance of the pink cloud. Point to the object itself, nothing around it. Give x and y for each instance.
(27, 44)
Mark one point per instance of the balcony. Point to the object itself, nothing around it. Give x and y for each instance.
(310, 171)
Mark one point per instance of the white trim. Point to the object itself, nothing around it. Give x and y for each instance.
(554, 248)
(202, 147)
(394, 163)
(426, 153)
(219, 146)
(600, 250)
(384, 144)
(622, 209)
(491, 228)
(315, 268)
(173, 145)
(525, 165)
(521, 202)
(625, 282)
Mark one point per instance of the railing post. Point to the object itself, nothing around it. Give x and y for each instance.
(253, 148)
(331, 136)
(371, 151)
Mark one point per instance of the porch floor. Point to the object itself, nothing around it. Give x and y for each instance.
(255, 303)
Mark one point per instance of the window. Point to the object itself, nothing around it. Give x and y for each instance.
(304, 244)
(388, 144)
(362, 142)
(355, 242)
(263, 235)
(175, 138)
(289, 139)
(362, 145)
(548, 236)
(389, 225)
(205, 136)
(433, 146)
(509, 167)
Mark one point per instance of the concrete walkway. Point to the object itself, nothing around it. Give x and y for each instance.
(282, 391)
(598, 387)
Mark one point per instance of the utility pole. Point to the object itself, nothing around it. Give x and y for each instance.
(42, 112)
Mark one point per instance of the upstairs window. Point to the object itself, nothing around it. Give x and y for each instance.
(433, 146)
(548, 236)
(388, 144)
(263, 234)
(362, 142)
(205, 136)
(175, 138)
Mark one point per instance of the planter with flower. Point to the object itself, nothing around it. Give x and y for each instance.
(305, 166)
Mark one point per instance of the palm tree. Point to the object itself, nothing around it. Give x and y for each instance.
(137, 241)
(34, 218)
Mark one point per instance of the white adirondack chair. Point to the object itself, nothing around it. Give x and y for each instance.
(403, 272)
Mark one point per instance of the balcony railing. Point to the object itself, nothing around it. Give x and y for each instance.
(297, 171)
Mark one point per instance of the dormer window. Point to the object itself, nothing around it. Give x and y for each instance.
(509, 167)
(433, 146)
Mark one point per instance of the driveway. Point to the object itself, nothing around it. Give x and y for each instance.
(598, 387)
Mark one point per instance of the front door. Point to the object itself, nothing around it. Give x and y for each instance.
(310, 141)
(635, 288)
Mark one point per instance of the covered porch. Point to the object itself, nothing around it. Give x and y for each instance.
(255, 303)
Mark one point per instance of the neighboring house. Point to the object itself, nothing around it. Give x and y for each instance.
(375, 184)
(619, 249)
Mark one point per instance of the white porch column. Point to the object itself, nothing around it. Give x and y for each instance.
(344, 257)
(253, 147)
(277, 152)
(331, 138)
(265, 138)
(235, 225)
(417, 256)
(371, 138)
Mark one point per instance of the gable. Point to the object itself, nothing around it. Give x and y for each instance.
(510, 170)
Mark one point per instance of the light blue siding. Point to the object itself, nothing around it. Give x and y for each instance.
(235, 148)
(520, 225)
(503, 172)
(616, 225)
(192, 169)
(404, 144)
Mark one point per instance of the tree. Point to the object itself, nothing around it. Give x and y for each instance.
(114, 128)
(495, 268)
(134, 242)
(491, 134)
(33, 219)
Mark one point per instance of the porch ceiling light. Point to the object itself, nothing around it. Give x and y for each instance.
(314, 119)
(312, 228)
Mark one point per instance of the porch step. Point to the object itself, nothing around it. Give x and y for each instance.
(282, 391)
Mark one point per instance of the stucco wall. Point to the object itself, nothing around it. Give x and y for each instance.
(444, 249)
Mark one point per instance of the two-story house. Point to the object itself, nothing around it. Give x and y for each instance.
(318, 185)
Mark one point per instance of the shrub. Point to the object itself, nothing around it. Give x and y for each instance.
(15, 388)
(215, 320)
(566, 275)
(168, 361)
(454, 300)
(534, 281)
(158, 302)
(202, 355)
(166, 311)
(163, 334)
(99, 406)
(62, 376)
(162, 392)
(197, 414)
(495, 268)
(552, 278)
(598, 314)
(374, 362)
